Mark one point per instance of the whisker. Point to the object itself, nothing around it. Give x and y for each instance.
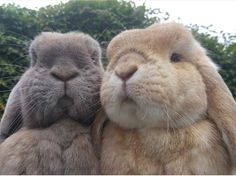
(190, 122)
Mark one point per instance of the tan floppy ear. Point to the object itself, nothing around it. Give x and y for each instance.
(97, 128)
(221, 104)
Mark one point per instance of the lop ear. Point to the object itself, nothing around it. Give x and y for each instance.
(32, 54)
(221, 104)
(12, 119)
(97, 130)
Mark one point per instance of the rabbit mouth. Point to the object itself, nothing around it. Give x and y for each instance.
(66, 106)
(124, 95)
(65, 103)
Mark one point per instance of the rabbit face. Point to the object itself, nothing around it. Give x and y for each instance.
(150, 80)
(63, 80)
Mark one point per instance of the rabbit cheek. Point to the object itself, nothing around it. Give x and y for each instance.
(39, 96)
(85, 91)
(191, 99)
(153, 94)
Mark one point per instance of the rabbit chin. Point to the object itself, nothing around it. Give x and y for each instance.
(67, 107)
(64, 107)
(129, 114)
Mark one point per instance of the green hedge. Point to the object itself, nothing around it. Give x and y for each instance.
(101, 19)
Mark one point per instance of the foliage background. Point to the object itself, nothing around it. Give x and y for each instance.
(102, 20)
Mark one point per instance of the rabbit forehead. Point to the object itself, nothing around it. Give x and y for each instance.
(66, 38)
(65, 43)
(161, 39)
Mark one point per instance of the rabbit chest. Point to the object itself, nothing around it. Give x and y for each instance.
(197, 149)
(63, 148)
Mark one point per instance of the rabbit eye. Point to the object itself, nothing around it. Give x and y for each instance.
(94, 60)
(94, 57)
(175, 57)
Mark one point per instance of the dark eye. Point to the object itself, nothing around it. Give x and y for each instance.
(175, 57)
(94, 60)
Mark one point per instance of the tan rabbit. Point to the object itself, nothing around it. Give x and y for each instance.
(53, 105)
(170, 111)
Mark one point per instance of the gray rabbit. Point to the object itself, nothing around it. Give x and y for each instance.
(53, 105)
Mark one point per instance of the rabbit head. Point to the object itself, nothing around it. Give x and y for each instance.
(150, 82)
(161, 77)
(63, 81)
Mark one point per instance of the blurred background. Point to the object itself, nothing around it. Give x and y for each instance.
(211, 22)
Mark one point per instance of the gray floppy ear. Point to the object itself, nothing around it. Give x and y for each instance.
(12, 118)
(32, 54)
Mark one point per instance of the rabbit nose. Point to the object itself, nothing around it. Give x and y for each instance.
(64, 74)
(127, 73)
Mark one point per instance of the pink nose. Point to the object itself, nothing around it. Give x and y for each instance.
(126, 74)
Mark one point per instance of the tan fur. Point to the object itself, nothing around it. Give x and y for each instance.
(156, 151)
(173, 117)
(97, 128)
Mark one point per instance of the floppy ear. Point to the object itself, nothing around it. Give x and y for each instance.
(221, 104)
(97, 128)
(12, 119)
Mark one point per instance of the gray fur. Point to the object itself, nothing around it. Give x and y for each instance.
(64, 148)
(38, 96)
(60, 87)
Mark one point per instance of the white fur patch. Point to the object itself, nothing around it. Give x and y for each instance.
(131, 113)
